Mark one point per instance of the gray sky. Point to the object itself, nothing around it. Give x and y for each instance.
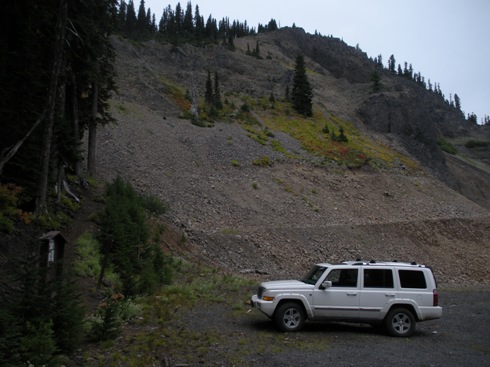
(448, 41)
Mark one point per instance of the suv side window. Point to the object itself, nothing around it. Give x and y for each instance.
(343, 277)
(412, 279)
(378, 278)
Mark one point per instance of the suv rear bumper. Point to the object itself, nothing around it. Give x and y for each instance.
(430, 313)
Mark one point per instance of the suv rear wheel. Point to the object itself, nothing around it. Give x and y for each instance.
(400, 322)
(290, 316)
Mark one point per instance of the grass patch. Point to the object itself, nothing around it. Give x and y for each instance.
(164, 331)
(264, 161)
(447, 146)
(355, 151)
(175, 93)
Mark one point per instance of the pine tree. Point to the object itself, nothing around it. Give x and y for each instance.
(208, 95)
(457, 102)
(302, 92)
(376, 79)
(142, 23)
(392, 64)
(188, 24)
(131, 19)
(217, 94)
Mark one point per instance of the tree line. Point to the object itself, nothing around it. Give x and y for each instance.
(181, 25)
(407, 72)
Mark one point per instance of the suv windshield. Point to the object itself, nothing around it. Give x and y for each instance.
(314, 274)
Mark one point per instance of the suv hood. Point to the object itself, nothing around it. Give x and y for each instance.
(286, 284)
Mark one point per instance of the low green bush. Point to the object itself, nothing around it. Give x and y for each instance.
(263, 161)
(447, 146)
(470, 144)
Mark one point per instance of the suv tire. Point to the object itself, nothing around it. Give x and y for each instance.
(400, 322)
(290, 316)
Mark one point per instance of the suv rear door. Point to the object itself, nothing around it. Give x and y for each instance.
(341, 300)
(378, 288)
(415, 285)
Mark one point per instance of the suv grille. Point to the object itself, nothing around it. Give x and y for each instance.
(260, 292)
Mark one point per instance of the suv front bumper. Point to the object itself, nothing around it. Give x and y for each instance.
(266, 307)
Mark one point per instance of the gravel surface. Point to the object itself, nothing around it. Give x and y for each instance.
(460, 338)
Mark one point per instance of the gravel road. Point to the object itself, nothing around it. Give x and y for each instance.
(460, 338)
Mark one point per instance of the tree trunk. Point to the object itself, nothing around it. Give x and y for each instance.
(42, 206)
(76, 123)
(60, 164)
(8, 153)
(92, 132)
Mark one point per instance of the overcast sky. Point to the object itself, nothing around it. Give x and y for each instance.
(448, 41)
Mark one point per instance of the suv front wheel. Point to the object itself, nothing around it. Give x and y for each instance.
(400, 322)
(290, 316)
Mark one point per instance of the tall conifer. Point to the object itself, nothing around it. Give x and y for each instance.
(302, 92)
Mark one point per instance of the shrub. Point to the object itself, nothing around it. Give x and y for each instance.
(89, 258)
(9, 194)
(153, 204)
(38, 345)
(447, 146)
(263, 161)
(139, 266)
(470, 144)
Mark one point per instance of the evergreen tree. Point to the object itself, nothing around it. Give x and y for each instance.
(392, 64)
(188, 24)
(208, 95)
(199, 23)
(121, 17)
(217, 94)
(376, 80)
(457, 102)
(51, 55)
(302, 92)
(131, 19)
(142, 23)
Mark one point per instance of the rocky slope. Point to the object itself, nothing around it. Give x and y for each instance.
(278, 220)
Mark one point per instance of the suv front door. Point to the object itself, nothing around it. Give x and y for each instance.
(341, 300)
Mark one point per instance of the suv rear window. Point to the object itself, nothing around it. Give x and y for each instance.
(412, 279)
(378, 278)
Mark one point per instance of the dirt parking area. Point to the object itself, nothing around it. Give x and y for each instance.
(460, 338)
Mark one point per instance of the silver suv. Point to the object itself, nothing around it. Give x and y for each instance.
(393, 294)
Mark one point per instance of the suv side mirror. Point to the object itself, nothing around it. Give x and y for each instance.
(326, 284)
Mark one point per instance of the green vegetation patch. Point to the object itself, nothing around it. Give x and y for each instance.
(174, 92)
(334, 139)
(165, 331)
(447, 146)
(470, 144)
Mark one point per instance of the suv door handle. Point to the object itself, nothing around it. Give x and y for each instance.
(390, 294)
(351, 294)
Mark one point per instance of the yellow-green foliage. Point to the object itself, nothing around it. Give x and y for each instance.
(88, 261)
(176, 94)
(263, 161)
(358, 151)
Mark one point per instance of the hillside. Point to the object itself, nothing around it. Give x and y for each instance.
(277, 219)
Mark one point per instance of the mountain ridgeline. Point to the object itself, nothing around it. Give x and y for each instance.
(402, 107)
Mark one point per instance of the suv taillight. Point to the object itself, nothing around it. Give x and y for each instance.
(435, 298)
